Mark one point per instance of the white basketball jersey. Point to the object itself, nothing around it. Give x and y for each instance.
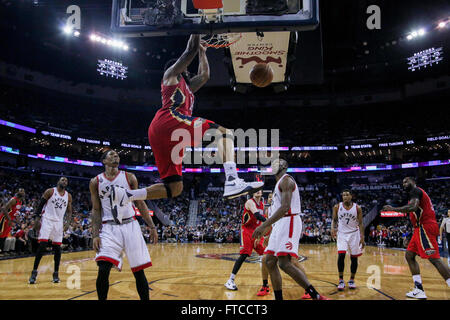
(347, 219)
(104, 188)
(56, 206)
(295, 207)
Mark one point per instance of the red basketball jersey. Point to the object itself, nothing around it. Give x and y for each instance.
(249, 220)
(178, 97)
(425, 214)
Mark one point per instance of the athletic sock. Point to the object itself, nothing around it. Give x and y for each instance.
(278, 294)
(232, 276)
(417, 281)
(230, 170)
(266, 283)
(448, 282)
(138, 194)
(313, 293)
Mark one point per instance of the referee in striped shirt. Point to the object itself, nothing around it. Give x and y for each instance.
(445, 225)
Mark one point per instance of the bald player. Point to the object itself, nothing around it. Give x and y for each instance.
(286, 231)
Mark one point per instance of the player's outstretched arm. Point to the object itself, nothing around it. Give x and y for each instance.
(171, 74)
(96, 214)
(203, 70)
(143, 209)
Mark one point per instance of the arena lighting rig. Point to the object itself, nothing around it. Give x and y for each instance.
(113, 69)
(425, 58)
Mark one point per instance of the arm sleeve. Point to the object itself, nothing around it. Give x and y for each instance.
(259, 216)
(40, 207)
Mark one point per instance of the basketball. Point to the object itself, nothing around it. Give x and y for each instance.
(261, 75)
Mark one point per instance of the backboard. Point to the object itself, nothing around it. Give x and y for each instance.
(128, 18)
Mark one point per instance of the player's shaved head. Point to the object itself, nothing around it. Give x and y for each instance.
(409, 183)
(279, 165)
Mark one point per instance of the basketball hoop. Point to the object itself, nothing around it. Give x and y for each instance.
(223, 40)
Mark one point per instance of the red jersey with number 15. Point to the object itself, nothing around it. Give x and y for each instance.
(249, 220)
(425, 214)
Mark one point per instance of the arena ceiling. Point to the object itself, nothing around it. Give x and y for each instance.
(352, 54)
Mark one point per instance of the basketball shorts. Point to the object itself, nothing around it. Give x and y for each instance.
(186, 131)
(119, 239)
(5, 228)
(424, 241)
(248, 244)
(285, 237)
(51, 230)
(349, 242)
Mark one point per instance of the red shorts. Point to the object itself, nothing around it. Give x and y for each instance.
(424, 241)
(5, 229)
(248, 243)
(169, 154)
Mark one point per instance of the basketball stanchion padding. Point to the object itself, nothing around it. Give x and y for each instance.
(208, 4)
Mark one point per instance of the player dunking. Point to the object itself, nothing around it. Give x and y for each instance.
(8, 213)
(350, 236)
(252, 217)
(54, 204)
(285, 236)
(424, 239)
(175, 115)
(118, 232)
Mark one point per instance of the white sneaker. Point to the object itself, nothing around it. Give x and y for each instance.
(416, 293)
(119, 199)
(238, 187)
(351, 284)
(230, 285)
(341, 285)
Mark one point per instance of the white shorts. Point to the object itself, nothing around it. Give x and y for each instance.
(285, 237)
(127, 239)
(349, 242)
(51, 230)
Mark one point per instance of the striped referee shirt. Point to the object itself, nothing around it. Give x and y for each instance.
(446, 224)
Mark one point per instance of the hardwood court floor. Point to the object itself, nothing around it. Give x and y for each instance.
(179, 272)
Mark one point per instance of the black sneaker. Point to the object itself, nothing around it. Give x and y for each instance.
(33, 277)
(55, 277)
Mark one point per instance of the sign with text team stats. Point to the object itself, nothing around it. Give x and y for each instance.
(271, 49)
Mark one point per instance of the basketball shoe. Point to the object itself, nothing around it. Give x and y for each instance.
(230, 285)
(351, 284)
(306, 296)
(33, 277)
(119, 198)
(341, 285)
(416, 293)
(55, 277)
(236, 187)
(264, 291)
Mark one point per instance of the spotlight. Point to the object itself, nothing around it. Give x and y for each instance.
(93, 37)
(125, 47)
(409, 37)
(442, 25)
(414, 34)
(76, 33)
(421, 32)
(67, 29)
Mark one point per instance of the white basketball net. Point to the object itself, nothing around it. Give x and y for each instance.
(223, 40)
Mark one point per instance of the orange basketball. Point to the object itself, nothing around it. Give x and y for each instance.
(261, 75)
